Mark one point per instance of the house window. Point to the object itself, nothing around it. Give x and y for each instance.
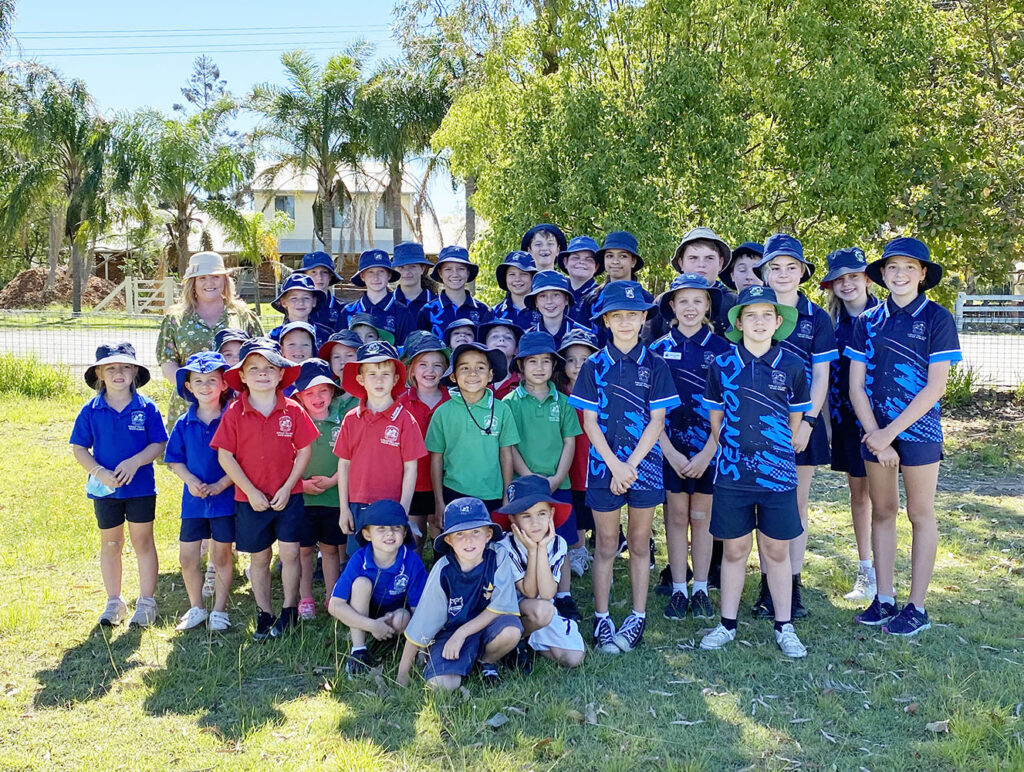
(285, 204)
(341, 218)
(383, 216)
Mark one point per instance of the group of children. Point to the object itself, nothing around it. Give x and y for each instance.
(505, 435)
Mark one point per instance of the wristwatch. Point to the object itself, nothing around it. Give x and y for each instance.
(811, 419)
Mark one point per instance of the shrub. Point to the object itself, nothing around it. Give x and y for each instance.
(31, 378)
(963, 381)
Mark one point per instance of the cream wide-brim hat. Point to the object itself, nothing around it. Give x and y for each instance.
(205, 264)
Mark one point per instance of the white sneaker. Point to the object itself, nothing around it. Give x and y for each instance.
(579, 559)
(209, 582)
(114, 613)
(194, 617)
(218, 621)
(717, 638)
(865, 588)
(145, 613)
(789, 643)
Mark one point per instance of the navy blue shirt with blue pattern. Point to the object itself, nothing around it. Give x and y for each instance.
(524, 318)
(389, 314)
(756, 396)
(189, 444)
(839, 406)
(813, 339)
(563, 329)
(897, 345)
(436, 315)
(329, 314)
(688, 359)
(416, 304)
(578, 310)
(623, 389)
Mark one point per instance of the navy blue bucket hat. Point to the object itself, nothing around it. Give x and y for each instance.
(454, 254)
(383, 512)
(227, 335)
(374, 258)
(622, 295)
(114, 353)
(533, 344)
(746, 249)
(484, 329)
(577, 244)
(619, 240)
(202, 363)
(517, 259)
(456, 324)
(784, 245)
(843, 261)
(465, 514)
(269, 350)
(681, 282)
(318, 259)
(348, 338)
(423, 342)
(365, 318)
(496, 359)
(526, 492)
(314, 372)
(299, 281)
(579, 336)
(548, 281)
(292, 326)
(907, 247)
(543, 227)
(409, 253)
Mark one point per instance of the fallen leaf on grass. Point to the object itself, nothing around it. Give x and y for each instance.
(707, 691)
(660, 693)
(497, 720)
(684, 722)
(514, 709)
(828, 737)
(912, 708)
(541, 743)
(799, 720)
(939, 727)
(575, 715)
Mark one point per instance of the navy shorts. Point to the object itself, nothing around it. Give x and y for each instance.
(910, 453)
(437, 665)
(584, 515)
(603, 500)
(738, 512)
(566, 530)
(257, 531)
(816, 453)
(111, 512)
(422, 504)
(220, 529)
(690, 485)
(322, 526)
(846, 445)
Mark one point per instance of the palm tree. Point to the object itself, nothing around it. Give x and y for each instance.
(309, 125)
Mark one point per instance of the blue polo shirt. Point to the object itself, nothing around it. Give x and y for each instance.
(813, 339)
(897, 345)
(113, 436)
(400, 584)
(389, 314)
(623, 389)
(578, 308)
(839, 406)
(415, 305)
(329, 314)
(756, 395)
(524, 318)
(563, 329)
(189, 444)
(688, 359)
(436, 315)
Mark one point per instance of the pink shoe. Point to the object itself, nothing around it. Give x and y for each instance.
(307, 609)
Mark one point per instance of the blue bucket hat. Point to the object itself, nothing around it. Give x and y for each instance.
(455, 324)
(843, 261)
(752, 296)
(370, 353)
(784, 245)
(526, 492)
(314, 372)
(746, 249)
(619, 240)
(409, 253)
(535, 343)
(496, 359)
(269, 350)
(681, 282)
(202, 363)
(543, 227)
(579, 336)
(465, 514)
(292, 326)
(907, 247)
(227, 335)
(517, 259)
(422, 342)
(578, 244)
(114, 353)
(454, 254)
(484, 329)
(365, 318)
(622, 295)
(348, 338)
(319, 259)
(546, 281)
(700, 234)
(383, 512)
(299, 281)
(374, 258)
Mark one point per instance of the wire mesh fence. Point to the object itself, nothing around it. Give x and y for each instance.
(991, 331)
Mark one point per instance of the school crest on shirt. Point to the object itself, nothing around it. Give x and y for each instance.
(455, 606)
(778, 380)
(137, 421)
(399, 585)
(285, 426)
(709, 357)
(390, 436)
(488, 590)
(554, 414)
(805, 328)
(643, 377)
(917, 330)
(334, 435)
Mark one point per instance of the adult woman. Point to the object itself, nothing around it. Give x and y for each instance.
(208, 304)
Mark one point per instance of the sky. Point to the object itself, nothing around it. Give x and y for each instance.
(134, 53)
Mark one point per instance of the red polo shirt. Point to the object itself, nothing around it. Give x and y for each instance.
(422, 414)
(265, 446)
(376, 446)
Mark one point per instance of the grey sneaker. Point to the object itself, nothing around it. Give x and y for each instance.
(114, 613)
(717, 638)
(145, 613)
(579, 559)
(789, 643)
(864, 588)
(194, 617)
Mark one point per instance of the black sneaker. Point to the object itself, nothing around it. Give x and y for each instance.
(623, 544)
(652, 554)
(763, 607)
(877, 614)
(566, 607)
(631, 634)
(358, 662)
(523, 655)
(664, 582)
(797, 608)
(284, 624)
(676, 606)
(700, 605)
(318, 570)
(264, 624)
(489, 674)
(715, 569)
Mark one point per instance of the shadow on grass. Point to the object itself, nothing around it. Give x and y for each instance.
(89, 670)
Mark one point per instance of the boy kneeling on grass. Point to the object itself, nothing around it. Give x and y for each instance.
(468, 610)
(381, 584)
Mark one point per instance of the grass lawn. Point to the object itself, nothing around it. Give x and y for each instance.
(75, 696)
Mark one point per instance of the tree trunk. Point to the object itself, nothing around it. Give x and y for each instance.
(470, 213)
(56, 220)
(76, 277)
(395, 201)
(181, 244)
(327, 218)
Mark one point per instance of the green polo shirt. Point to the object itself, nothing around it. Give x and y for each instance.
(471, 462)
(543, 426)
(341, 404)
(323, 461)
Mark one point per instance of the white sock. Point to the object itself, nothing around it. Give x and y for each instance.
(680, 587)
(358, 648)
(700, 587)
(601, 614)
(641, 614)
(886, 599)
(865, 565)
(563, 595)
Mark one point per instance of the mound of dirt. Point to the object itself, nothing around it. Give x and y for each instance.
(26, 291)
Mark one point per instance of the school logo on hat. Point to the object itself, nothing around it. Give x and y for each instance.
(511, 490)
(285, 426)
(629, 292)
(755, 291)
